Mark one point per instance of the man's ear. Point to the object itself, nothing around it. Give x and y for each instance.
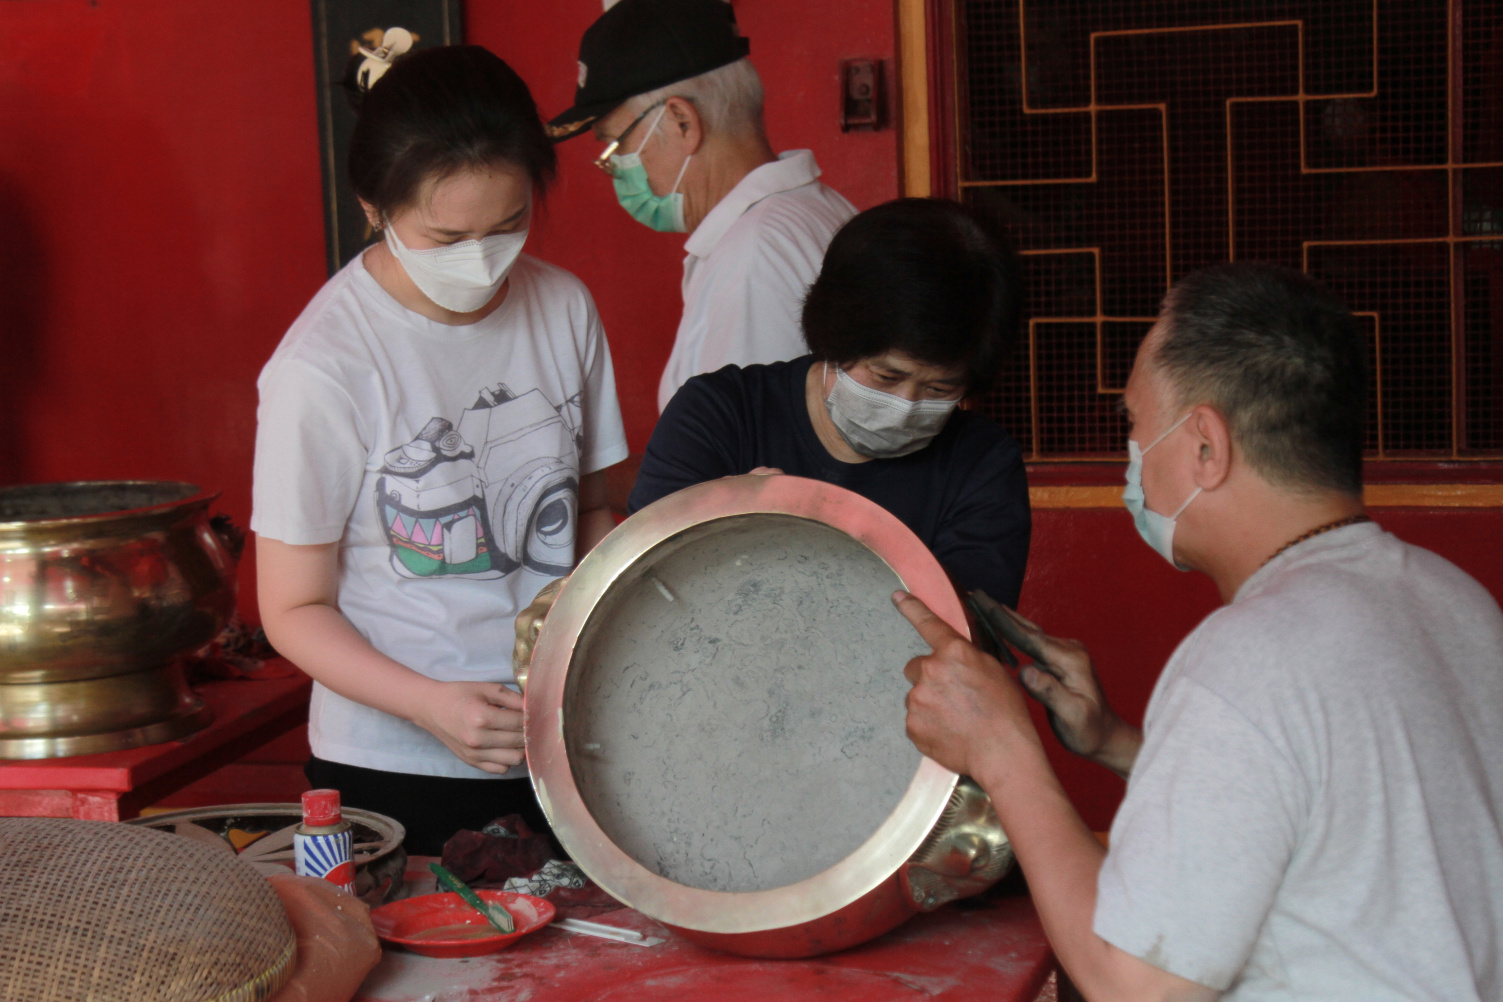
(1213, 446)
(684, 121)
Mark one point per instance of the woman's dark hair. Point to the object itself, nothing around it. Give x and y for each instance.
(1282, 360)
(925, 277)
(439, 111)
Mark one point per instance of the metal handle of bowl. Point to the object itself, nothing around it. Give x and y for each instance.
(230, 534)
(966, 852)
(529, 625)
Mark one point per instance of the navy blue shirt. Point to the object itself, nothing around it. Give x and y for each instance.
(965, 494)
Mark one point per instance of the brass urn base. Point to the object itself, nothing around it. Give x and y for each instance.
(52, 719)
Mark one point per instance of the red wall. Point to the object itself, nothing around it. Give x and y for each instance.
(160, 226)
(161, 214)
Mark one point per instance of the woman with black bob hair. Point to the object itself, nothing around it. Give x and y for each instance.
(915, 307)
(430, 445)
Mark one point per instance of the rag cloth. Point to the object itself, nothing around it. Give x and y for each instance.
(508, 855)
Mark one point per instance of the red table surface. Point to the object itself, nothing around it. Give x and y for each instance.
(991, 950)
(247, 714)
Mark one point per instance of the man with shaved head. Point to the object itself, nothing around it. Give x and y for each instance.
(1314, 804)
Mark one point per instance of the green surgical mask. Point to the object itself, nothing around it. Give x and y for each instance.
(664, 213)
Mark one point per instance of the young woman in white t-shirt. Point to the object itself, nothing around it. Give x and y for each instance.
(431, 439)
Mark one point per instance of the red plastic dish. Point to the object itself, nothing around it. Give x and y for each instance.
(442, 925)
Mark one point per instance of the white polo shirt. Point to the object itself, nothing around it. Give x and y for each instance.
(749, 263)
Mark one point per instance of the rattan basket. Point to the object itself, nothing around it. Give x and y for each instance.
(102, 911)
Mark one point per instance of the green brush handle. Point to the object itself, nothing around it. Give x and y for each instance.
(472, 899)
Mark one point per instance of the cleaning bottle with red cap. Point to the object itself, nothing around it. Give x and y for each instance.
(322, 844)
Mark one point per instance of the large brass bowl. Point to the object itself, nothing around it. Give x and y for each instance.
(103, 585)
(715, 722)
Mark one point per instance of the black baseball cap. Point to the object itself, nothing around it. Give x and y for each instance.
(641, 45)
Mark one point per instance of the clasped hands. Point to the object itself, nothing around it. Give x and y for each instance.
(965, 708)
(481, 722)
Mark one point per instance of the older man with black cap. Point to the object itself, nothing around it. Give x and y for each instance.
(667, 85)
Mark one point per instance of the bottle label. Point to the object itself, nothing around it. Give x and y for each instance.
(326, 856)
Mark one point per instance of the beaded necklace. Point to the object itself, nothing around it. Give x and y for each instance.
(1338, 524)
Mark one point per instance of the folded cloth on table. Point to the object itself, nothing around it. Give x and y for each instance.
(508, 855)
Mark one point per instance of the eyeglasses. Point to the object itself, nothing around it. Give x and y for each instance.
(604, 160)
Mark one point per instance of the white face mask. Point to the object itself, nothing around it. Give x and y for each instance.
(461, 277)
(1157, 530)
(883, 425)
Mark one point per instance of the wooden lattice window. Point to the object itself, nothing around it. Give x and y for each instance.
(1125, 145)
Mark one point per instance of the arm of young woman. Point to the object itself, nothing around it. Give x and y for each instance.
(481, 722)
(595, 518)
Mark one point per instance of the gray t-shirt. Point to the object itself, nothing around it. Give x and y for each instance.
(1316, 810)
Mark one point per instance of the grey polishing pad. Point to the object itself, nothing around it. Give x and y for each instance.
(734, 711)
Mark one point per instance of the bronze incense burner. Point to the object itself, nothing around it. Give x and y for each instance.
(103, 585)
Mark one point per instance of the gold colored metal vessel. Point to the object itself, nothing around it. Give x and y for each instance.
(935, 838)
(103, 585)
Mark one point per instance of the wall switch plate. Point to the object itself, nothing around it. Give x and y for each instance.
(861, 94)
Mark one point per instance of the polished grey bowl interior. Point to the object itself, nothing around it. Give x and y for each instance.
(734, 707)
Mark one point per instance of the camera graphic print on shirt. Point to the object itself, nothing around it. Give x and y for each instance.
(497, 492)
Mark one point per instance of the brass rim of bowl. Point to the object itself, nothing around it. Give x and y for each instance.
(871, 864)
(180, 724)
(195, 498)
